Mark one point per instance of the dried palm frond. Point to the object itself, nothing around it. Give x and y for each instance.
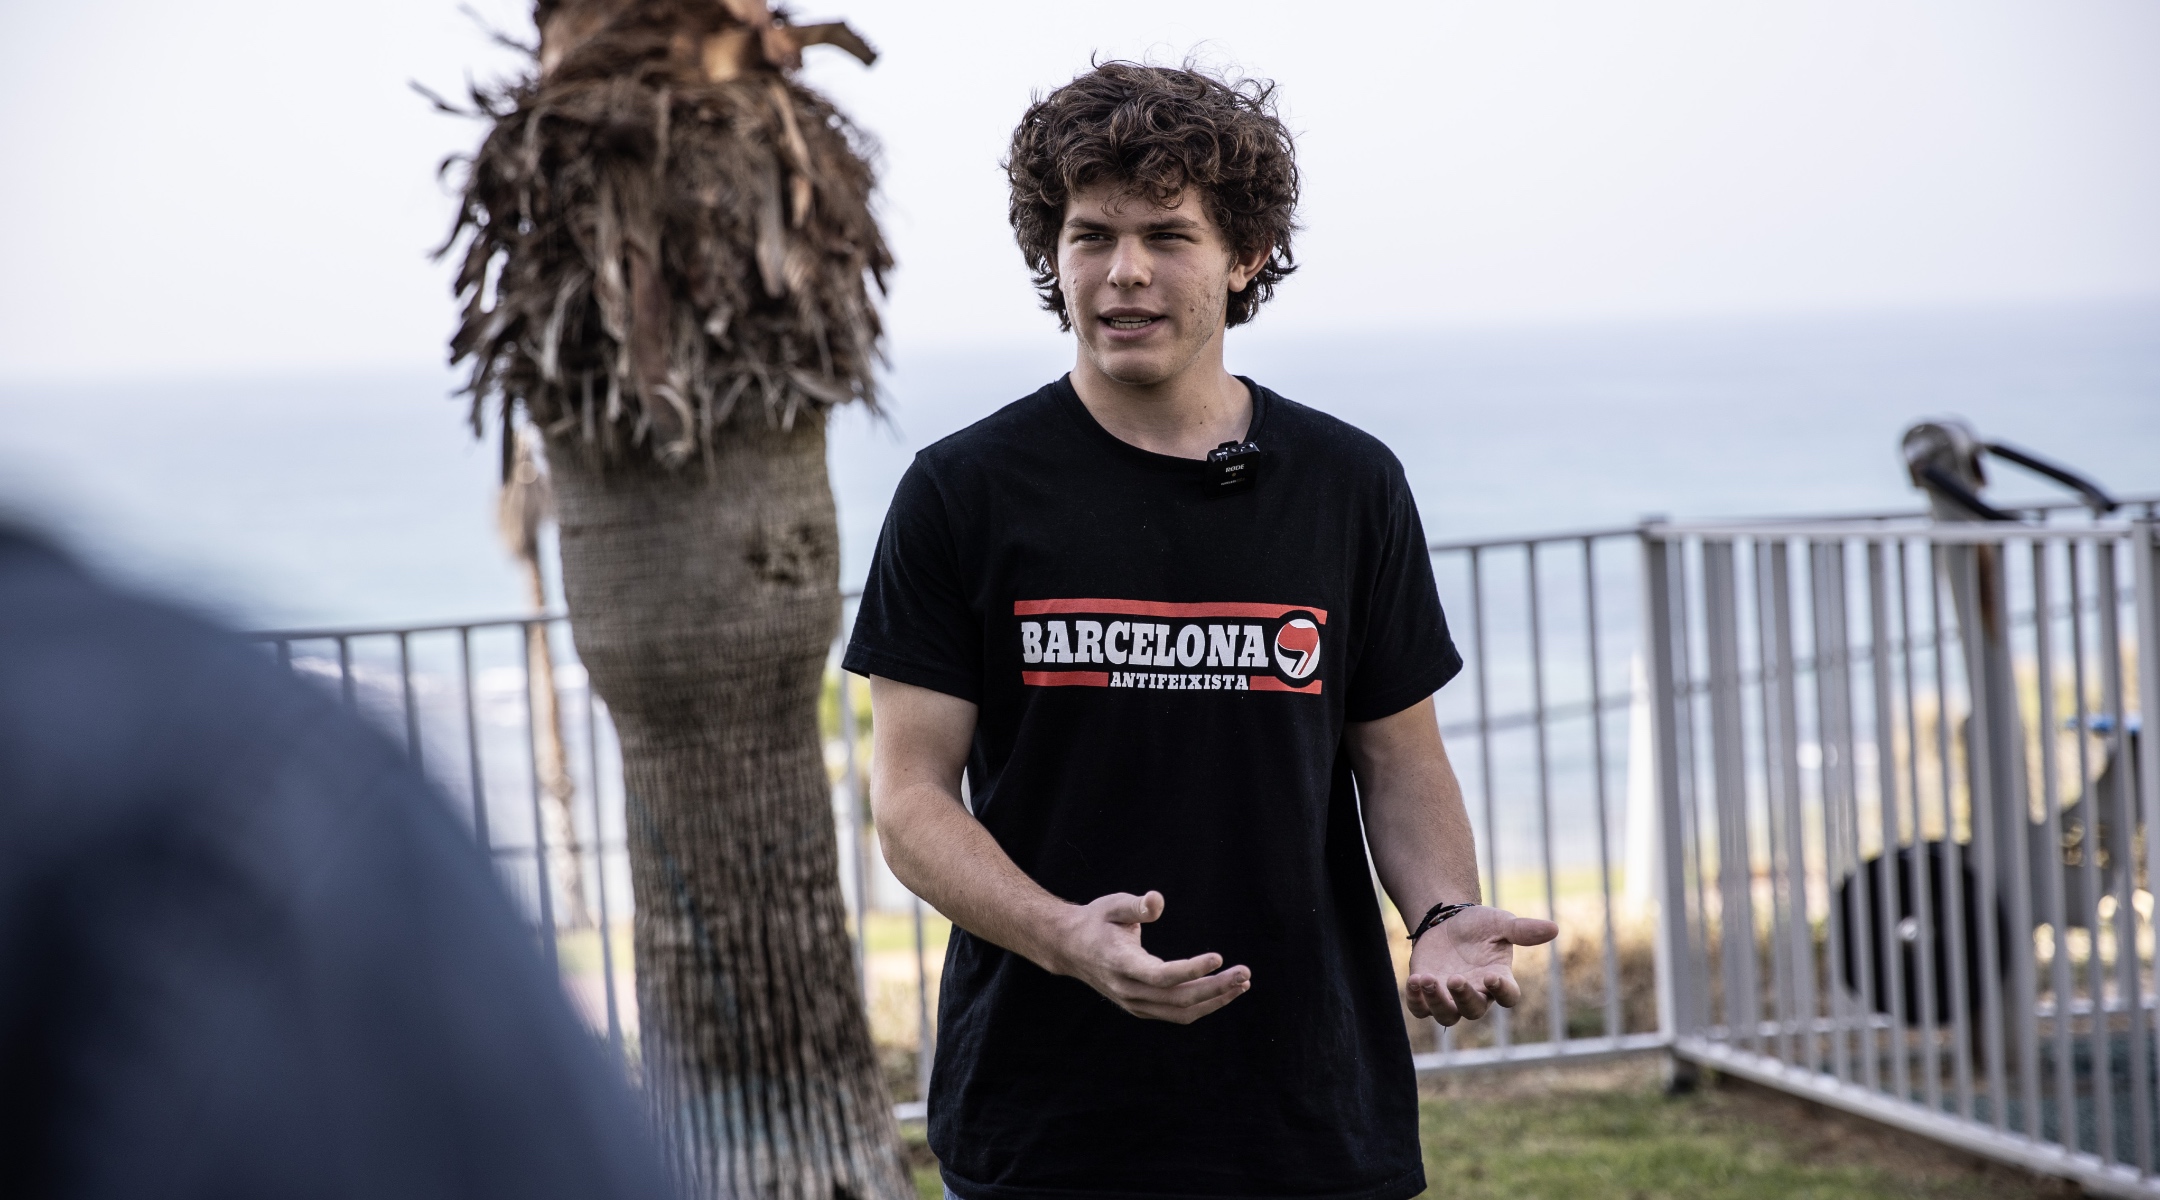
(664, 233)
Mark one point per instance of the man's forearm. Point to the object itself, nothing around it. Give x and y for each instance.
(944, 855)
(934, 845)
(1415, 823)
(1422, 856)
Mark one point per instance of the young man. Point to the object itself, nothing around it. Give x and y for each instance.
(1188, 695)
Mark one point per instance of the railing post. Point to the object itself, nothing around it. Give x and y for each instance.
(858, 815)
(2145, 572)
(1678, 1000)
(1742, 1010)
(412, 705)
(472, 741)
(1892, 987)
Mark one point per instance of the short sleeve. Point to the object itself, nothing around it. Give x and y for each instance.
(1407, 653)
(915, 623)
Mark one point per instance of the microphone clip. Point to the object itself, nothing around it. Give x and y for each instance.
(1233, 466)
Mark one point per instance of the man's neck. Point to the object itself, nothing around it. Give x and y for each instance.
(1184, 416)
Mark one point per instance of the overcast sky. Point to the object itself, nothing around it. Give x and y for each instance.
(247, 185)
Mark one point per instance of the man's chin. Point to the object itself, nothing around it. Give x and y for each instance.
(1131, 369)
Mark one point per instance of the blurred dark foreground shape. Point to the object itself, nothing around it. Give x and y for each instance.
(245, 951)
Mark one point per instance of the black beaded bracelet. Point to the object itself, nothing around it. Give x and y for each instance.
(1436, 915)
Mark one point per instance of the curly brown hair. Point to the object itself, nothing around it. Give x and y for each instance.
(1158, 131)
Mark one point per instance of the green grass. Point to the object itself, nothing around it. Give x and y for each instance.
(1724, 1142)
(896, 931)
(579, 949)
(1521, 1139)
(927, 1184)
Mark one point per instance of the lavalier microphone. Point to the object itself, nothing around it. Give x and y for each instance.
(1233, 465)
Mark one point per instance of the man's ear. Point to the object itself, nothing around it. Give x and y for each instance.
(1243, 271)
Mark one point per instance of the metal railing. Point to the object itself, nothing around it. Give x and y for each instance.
(539, 784)
(1640, 704)
(1538, 725)
(1905, 867)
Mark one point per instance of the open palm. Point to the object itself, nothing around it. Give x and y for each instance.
(1463, 966)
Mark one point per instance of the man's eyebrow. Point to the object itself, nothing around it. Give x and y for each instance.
(1177, 223)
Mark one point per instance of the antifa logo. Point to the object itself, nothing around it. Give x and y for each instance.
(1214, 646)
(1297, 648)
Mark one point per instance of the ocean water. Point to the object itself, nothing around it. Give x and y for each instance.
(363, 499)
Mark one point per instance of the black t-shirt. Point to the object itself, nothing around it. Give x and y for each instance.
(1078, 590)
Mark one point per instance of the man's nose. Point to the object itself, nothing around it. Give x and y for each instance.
(1129, 264)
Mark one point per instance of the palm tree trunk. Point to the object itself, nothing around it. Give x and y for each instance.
(703, 602)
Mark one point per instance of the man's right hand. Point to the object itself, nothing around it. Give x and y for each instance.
(1099, 944)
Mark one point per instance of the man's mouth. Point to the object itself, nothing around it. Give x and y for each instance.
(1124, 322)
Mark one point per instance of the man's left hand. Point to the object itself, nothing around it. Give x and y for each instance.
(1466, 964)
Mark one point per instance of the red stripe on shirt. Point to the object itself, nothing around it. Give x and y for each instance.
(1099, 679)
(1268, 683)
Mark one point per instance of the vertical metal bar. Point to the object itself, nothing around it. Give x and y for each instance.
(1502, 1032)
(1953, 857)
(1850, 1014)
(2016, 822)
(1983, 728)
(1821, 652)
(545, 886)
(2129, 987)
(2145, 568)
(1847, 740)
(1801, 947)
(1613, 1020)
(2052, 901)
(1735, 868)
(2100, 1041)
(1785, 1002)
(925, 1026)
(472, 739)
(412, 709)
(1556, 982)
(858, 818)
(1679, 994)
(599, 850)
(1924, 915)
(1752, 752)
(1886, 785)
(1686, 732)
(345, 675)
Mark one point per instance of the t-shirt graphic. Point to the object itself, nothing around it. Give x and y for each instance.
(1162, 672)
(1179, 647)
